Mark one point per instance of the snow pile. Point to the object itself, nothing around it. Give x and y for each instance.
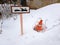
(50, 14)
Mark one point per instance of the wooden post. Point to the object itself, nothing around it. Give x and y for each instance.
(21, 18)
(21, 22)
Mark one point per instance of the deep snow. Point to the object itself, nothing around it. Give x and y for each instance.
(11, 29)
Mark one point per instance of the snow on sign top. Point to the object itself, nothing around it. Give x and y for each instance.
(19, 10)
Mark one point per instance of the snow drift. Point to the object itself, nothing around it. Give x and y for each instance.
(50, 14)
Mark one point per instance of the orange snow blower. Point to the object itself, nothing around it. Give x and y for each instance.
(39, 26)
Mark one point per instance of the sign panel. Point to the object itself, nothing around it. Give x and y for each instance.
(18, 9)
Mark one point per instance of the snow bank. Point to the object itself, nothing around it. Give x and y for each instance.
(51, 13)
(11, 31)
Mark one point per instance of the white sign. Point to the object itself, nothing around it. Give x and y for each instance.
(18, 10)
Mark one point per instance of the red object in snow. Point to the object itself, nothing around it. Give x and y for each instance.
(39, 27)
(40, 22)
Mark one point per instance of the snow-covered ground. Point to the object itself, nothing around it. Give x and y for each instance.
(50, 14)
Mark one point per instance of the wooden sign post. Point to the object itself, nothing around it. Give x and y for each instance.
(20, 10)
(21, 22)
